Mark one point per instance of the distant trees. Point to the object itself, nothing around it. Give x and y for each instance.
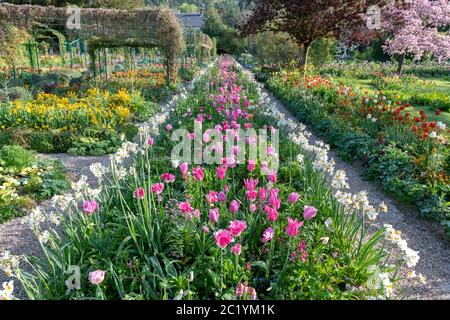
(10, 40)
(308, 20)
(188, 8)
(228, 39)
(415, 28)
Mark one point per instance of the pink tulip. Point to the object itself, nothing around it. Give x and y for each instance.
(309, 212)
(168, 177)
(273, 199)
(293, 197)
(222, 196)
(262, 193)
(252, 207)
(198, 173)
(196, 213)
(272, 214)
(234, 206)
(90, 207)
(223, 238)
(169, 127)
(237, 227)
(251, 195)
(96, 277)
(184, 167)
(220, 172)
(251, 165)
(139, 193)
(236, 249)
(214, 215)
(250, 184)
(240, 289)
(205, 229)
(268, 235)
(212, 197)
(157, 188)
(272, 176)
(185, 207)
(293, 226)
(150, 141)
(206, 138)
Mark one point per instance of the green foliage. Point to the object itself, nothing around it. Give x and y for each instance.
(322, 51)
(228, 39)
(10, 40)
(95, 145)
(188, 8)
(16, 156)
(274, 48)
(26, 180)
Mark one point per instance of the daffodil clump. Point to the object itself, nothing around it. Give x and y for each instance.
(69, 113)
(90, 123)
(151, 83)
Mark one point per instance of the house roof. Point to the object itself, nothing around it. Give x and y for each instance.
(191, 20)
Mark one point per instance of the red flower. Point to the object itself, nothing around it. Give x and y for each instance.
(437, 112)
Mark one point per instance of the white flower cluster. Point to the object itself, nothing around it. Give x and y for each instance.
(340, 180)
(34, 219)
(411, 257)
(63, 202)
(82, 189)
(98, 170)
(379, 280)
(8, 263)
(6, 293)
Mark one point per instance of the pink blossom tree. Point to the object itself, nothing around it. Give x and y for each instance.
(415, 27)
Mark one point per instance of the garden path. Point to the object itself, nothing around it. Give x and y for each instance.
(422, 235)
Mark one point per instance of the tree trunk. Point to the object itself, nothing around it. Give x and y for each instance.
(303, 61)
(401, 61)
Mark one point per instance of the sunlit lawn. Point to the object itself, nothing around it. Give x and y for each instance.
(365, 85)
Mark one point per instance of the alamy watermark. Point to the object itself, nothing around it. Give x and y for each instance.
(74, 20)
(73, 282)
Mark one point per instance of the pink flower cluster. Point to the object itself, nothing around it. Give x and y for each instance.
(243, 290)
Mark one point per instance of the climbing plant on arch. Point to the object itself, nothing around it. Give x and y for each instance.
(109, 28)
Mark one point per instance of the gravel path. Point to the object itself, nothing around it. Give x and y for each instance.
(425, 236)
(18, 238)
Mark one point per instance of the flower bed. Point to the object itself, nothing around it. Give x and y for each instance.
(25, 180)
(159, 228)
(406, 153)
(150, 82)
(88, 125)
(415, 90)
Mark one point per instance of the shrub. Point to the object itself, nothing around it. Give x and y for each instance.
(16, 156)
